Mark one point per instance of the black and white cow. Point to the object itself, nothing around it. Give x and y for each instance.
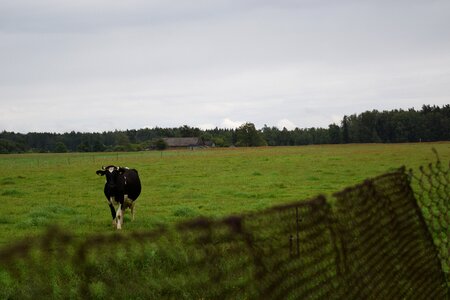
(122, 188)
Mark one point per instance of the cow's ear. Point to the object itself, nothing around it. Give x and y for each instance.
(122, 170)
(100, 172)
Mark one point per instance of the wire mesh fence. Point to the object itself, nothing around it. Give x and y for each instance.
(370, 242)
(432, 191)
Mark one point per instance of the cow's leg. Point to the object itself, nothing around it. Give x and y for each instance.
(132, 210)
(113, 211)
(119, 217)
(130, 204)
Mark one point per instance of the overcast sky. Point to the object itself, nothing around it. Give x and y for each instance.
(95, 65)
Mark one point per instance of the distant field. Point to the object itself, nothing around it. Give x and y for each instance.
(37, 190)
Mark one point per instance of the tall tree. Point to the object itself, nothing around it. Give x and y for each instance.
(248, 136)
(334, 133)
(345, 134)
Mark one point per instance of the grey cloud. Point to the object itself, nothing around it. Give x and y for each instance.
(170, 63)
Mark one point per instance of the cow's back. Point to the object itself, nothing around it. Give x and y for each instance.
(132, 184)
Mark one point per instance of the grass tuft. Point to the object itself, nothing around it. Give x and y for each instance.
(184, 212)
(13, 193)
(7, 181)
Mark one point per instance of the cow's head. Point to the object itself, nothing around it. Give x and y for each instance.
(113, 178)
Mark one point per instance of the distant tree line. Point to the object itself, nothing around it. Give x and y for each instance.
(431, 123)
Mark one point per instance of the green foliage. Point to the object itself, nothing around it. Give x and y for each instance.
(161, 144)
(248, 136)
(334, 133)
(60, 147)
(345, 134)
(431, 123)
(84, 147)
(98, 147)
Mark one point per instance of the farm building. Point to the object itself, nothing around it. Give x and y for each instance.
(184, 142)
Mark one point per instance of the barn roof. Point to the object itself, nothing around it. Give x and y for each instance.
(183, 142)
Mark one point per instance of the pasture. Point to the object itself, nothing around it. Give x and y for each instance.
(38, 190)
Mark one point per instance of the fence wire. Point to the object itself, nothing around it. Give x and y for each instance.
(431, 187)
(371, 241)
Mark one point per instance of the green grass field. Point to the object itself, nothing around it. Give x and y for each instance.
(38, 190)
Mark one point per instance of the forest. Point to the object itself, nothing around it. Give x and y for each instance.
(429, 124)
